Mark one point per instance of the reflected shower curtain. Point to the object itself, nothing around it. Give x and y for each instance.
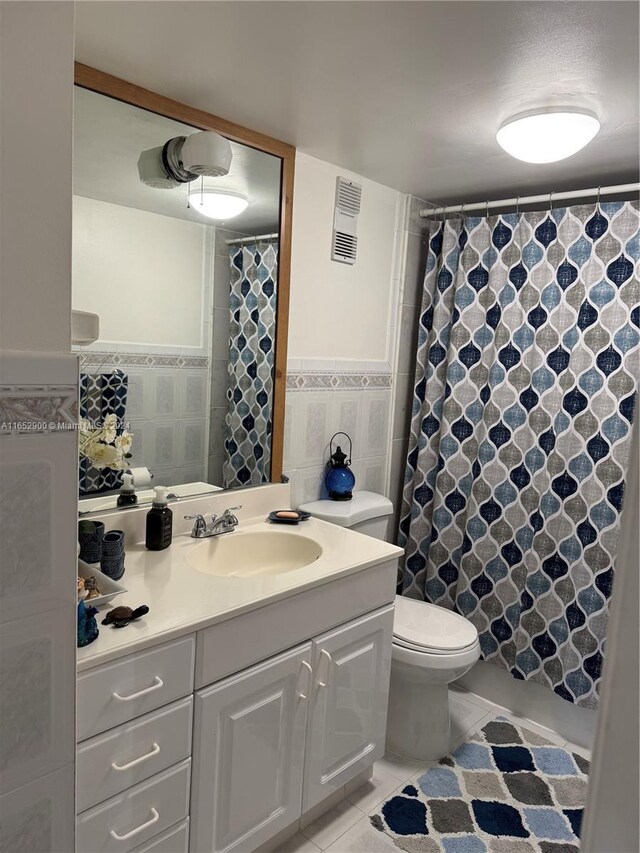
(254, 276)
(101, 394)
(524, 393)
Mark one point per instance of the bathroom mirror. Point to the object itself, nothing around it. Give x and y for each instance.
(191, 351)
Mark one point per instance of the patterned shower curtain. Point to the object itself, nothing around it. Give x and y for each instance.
(101, 394)
(254, 276)
(525, 387)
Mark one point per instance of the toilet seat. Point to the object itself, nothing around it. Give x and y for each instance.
(450, 665)
(398, 641)
(422, 627)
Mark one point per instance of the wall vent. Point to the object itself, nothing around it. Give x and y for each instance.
(344, 243)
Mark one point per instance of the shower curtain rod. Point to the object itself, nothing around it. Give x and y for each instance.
(551, 197)
(240, 240)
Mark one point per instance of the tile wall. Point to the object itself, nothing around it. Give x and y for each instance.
(167, 402)
(324, 397)
(38, 489)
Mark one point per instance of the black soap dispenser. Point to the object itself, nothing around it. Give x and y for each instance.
(159, 522)
(127, 496)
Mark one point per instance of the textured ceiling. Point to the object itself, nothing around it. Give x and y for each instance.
(408, 94)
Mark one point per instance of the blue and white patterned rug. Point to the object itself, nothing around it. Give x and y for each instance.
(505, 790)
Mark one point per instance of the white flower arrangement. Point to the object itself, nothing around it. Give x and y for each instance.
(103, 447)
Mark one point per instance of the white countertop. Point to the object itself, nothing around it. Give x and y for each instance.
(182, 600)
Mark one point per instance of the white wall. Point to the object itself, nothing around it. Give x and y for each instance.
(36, 91)
(339, 311)
(143, 274)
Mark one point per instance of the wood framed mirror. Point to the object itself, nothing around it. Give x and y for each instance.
(267, 157)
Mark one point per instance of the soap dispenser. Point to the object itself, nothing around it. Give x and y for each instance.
(159, 522)
(127, 496)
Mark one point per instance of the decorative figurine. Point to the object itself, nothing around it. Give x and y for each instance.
(91, 587)
(120, 616)
(340, 479)
(87, 626)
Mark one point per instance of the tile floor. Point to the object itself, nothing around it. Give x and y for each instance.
(346, 828)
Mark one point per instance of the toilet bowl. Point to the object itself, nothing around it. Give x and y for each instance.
(432, 646)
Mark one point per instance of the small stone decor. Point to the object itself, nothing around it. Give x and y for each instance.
(505, 790)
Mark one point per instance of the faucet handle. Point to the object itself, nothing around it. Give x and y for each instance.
(228, 515)
(200, 524)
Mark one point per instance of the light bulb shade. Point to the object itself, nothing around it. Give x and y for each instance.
(548, 135)
(217, 204)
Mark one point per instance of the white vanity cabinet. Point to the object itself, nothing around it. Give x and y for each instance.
(226, 736)
(280, 737)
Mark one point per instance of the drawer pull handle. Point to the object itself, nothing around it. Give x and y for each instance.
(136, 761)
(329, 664)
(307, 666)
(157, 684)
(138, 829)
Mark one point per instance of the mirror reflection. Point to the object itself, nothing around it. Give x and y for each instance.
(176, 255)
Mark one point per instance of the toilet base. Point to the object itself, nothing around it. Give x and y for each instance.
(418, 723)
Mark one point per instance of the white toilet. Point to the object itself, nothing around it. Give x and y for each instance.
(432, 646)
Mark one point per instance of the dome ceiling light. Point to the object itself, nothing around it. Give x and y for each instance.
(547, 135)
(217, 204)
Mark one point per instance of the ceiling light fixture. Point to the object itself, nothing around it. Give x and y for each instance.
(547, 135)
(217, 204)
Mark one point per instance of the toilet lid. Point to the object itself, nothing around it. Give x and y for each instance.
(420, 625)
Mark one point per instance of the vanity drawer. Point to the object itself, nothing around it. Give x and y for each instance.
(174, 840)
(122, 757)
(112, 694)
(137, 815)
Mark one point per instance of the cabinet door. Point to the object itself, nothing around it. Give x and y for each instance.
(348, 714)
(248, 752)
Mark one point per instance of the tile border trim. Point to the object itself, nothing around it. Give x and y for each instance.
(132, 359)
(34, 410)
(334, 381)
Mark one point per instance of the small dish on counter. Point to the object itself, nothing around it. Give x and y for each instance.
(288, 516)
(107, 588)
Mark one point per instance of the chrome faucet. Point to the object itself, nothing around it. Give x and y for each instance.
(225, 523)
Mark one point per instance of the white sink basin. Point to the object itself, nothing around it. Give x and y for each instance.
(250, 554)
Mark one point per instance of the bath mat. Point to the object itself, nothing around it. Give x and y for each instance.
(505, 790)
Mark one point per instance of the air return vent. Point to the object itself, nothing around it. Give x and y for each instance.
(344, 244)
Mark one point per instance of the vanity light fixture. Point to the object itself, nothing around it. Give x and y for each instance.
(217, 204)
(547, 135)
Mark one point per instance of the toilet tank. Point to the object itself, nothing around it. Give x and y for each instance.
(366, 512)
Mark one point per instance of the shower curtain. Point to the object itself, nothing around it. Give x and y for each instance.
(524, 393)
(254, 276)
(101, 394)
